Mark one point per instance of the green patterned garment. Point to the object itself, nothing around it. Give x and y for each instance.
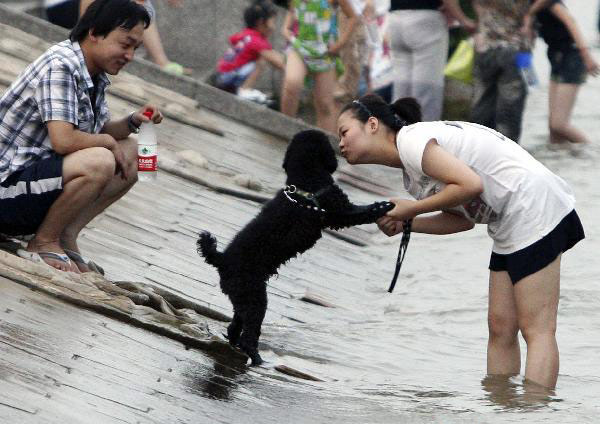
(315, 31)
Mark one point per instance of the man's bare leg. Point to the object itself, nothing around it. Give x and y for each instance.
(86, 173)
(114, 190)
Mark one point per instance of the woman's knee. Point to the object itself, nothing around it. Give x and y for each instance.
(534, 330)
(502, 328)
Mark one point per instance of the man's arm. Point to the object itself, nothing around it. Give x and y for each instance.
(66, 139)
(119, 129)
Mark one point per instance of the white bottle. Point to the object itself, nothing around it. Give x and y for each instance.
(147, 150)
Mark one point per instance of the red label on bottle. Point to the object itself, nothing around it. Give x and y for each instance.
(147, 158)
(147, 163)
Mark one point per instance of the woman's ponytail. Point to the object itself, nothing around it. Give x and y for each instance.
(402, 112)
(408, 109)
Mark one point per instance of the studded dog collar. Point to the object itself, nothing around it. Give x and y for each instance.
(305, 199)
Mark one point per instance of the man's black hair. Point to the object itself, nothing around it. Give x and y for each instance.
(257, 11)
(104, 16)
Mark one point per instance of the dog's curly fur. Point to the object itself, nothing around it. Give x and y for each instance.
(281, 230)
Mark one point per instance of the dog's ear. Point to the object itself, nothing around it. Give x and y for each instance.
(326, 152)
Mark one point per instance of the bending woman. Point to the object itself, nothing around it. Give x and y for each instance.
(470, 174)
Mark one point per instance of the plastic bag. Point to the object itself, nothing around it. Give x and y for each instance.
(460, 64)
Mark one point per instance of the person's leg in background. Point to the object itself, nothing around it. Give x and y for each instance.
(401, 54)
(350, 57)
(512, 93)
(323, 100)
(485, 89)
(561, 101)
(429, 60)
(568, 73)
(293, 81)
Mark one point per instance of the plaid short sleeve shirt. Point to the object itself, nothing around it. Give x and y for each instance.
(56, 87)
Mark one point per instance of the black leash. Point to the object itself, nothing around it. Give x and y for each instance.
(401, 252)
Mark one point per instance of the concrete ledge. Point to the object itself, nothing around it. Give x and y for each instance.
(208, 97)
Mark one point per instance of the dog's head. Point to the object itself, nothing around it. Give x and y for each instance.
(309, 151)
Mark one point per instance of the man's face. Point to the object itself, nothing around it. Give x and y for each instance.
(113, 52)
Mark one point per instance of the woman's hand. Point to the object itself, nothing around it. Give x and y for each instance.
(404, 210)
(591, 65)
(389, 226)
(527, 27)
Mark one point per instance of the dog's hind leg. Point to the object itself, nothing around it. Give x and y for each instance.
(252, 311)
(234, 330)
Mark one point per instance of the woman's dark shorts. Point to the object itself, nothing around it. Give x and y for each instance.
(567, 65)
(26, 196)
(540, 254)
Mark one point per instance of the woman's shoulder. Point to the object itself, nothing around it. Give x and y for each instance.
(421, 128)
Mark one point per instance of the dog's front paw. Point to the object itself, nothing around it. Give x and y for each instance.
(381, 208)
(377, 210)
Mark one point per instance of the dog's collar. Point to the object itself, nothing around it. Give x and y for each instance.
(305, 199)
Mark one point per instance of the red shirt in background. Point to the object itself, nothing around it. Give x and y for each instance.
(246, 46)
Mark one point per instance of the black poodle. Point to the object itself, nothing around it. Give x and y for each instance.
(287, 225)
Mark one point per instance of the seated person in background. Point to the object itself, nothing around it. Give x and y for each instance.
(250, 51)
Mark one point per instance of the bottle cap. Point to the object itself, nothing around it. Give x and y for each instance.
(148, 113)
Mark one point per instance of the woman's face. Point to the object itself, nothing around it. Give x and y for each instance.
(354, 139)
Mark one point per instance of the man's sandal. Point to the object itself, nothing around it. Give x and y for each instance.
(38, 257)
(78, 259)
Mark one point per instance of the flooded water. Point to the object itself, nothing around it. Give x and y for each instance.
(419, 354)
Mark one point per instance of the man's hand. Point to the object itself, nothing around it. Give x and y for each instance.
(117, 152)
(139, 117)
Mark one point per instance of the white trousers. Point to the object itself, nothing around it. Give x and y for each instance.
(419, 47)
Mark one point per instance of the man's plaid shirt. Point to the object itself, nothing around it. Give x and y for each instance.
(56, 87)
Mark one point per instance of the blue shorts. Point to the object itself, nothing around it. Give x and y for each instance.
(232, 80)
(26, 196)
(540, 254)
